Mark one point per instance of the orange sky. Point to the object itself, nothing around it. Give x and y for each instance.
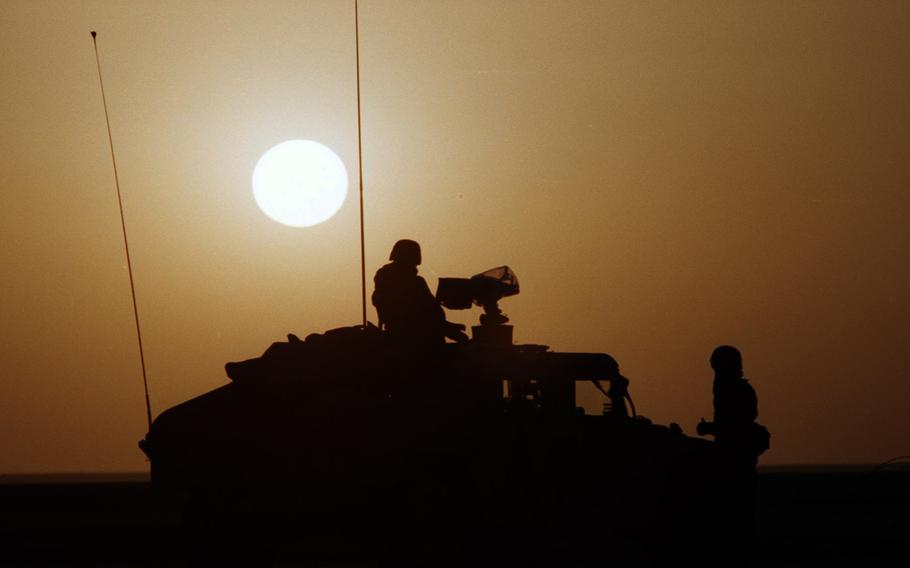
(663, 178)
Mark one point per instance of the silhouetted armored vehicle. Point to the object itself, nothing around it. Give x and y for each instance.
(350, 445)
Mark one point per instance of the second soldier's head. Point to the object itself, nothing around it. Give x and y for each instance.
(727, 361)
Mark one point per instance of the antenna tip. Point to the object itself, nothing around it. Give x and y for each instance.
(94, 34)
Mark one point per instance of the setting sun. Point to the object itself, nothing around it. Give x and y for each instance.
(300, 183)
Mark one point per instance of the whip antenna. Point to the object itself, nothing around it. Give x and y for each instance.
(126, 246)
(363, 265)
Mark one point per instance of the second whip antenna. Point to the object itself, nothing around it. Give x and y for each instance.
(363, 269)
(126, 246)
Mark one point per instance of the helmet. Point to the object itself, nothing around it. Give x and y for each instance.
(727, 358)
(406, 251)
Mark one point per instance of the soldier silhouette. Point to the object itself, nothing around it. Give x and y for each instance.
(739, 441)
(407, 309)
(735, 402)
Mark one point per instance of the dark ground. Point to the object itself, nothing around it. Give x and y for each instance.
(807, 516)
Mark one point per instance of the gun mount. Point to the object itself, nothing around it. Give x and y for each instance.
(485, 290)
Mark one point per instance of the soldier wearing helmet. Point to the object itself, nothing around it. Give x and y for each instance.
(735, 407)
(406, 307)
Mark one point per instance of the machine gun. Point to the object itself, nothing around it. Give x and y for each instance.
(533, 376)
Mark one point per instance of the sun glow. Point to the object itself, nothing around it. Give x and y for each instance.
(300, 183)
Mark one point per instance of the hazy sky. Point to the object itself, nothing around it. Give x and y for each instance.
(664, 177)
